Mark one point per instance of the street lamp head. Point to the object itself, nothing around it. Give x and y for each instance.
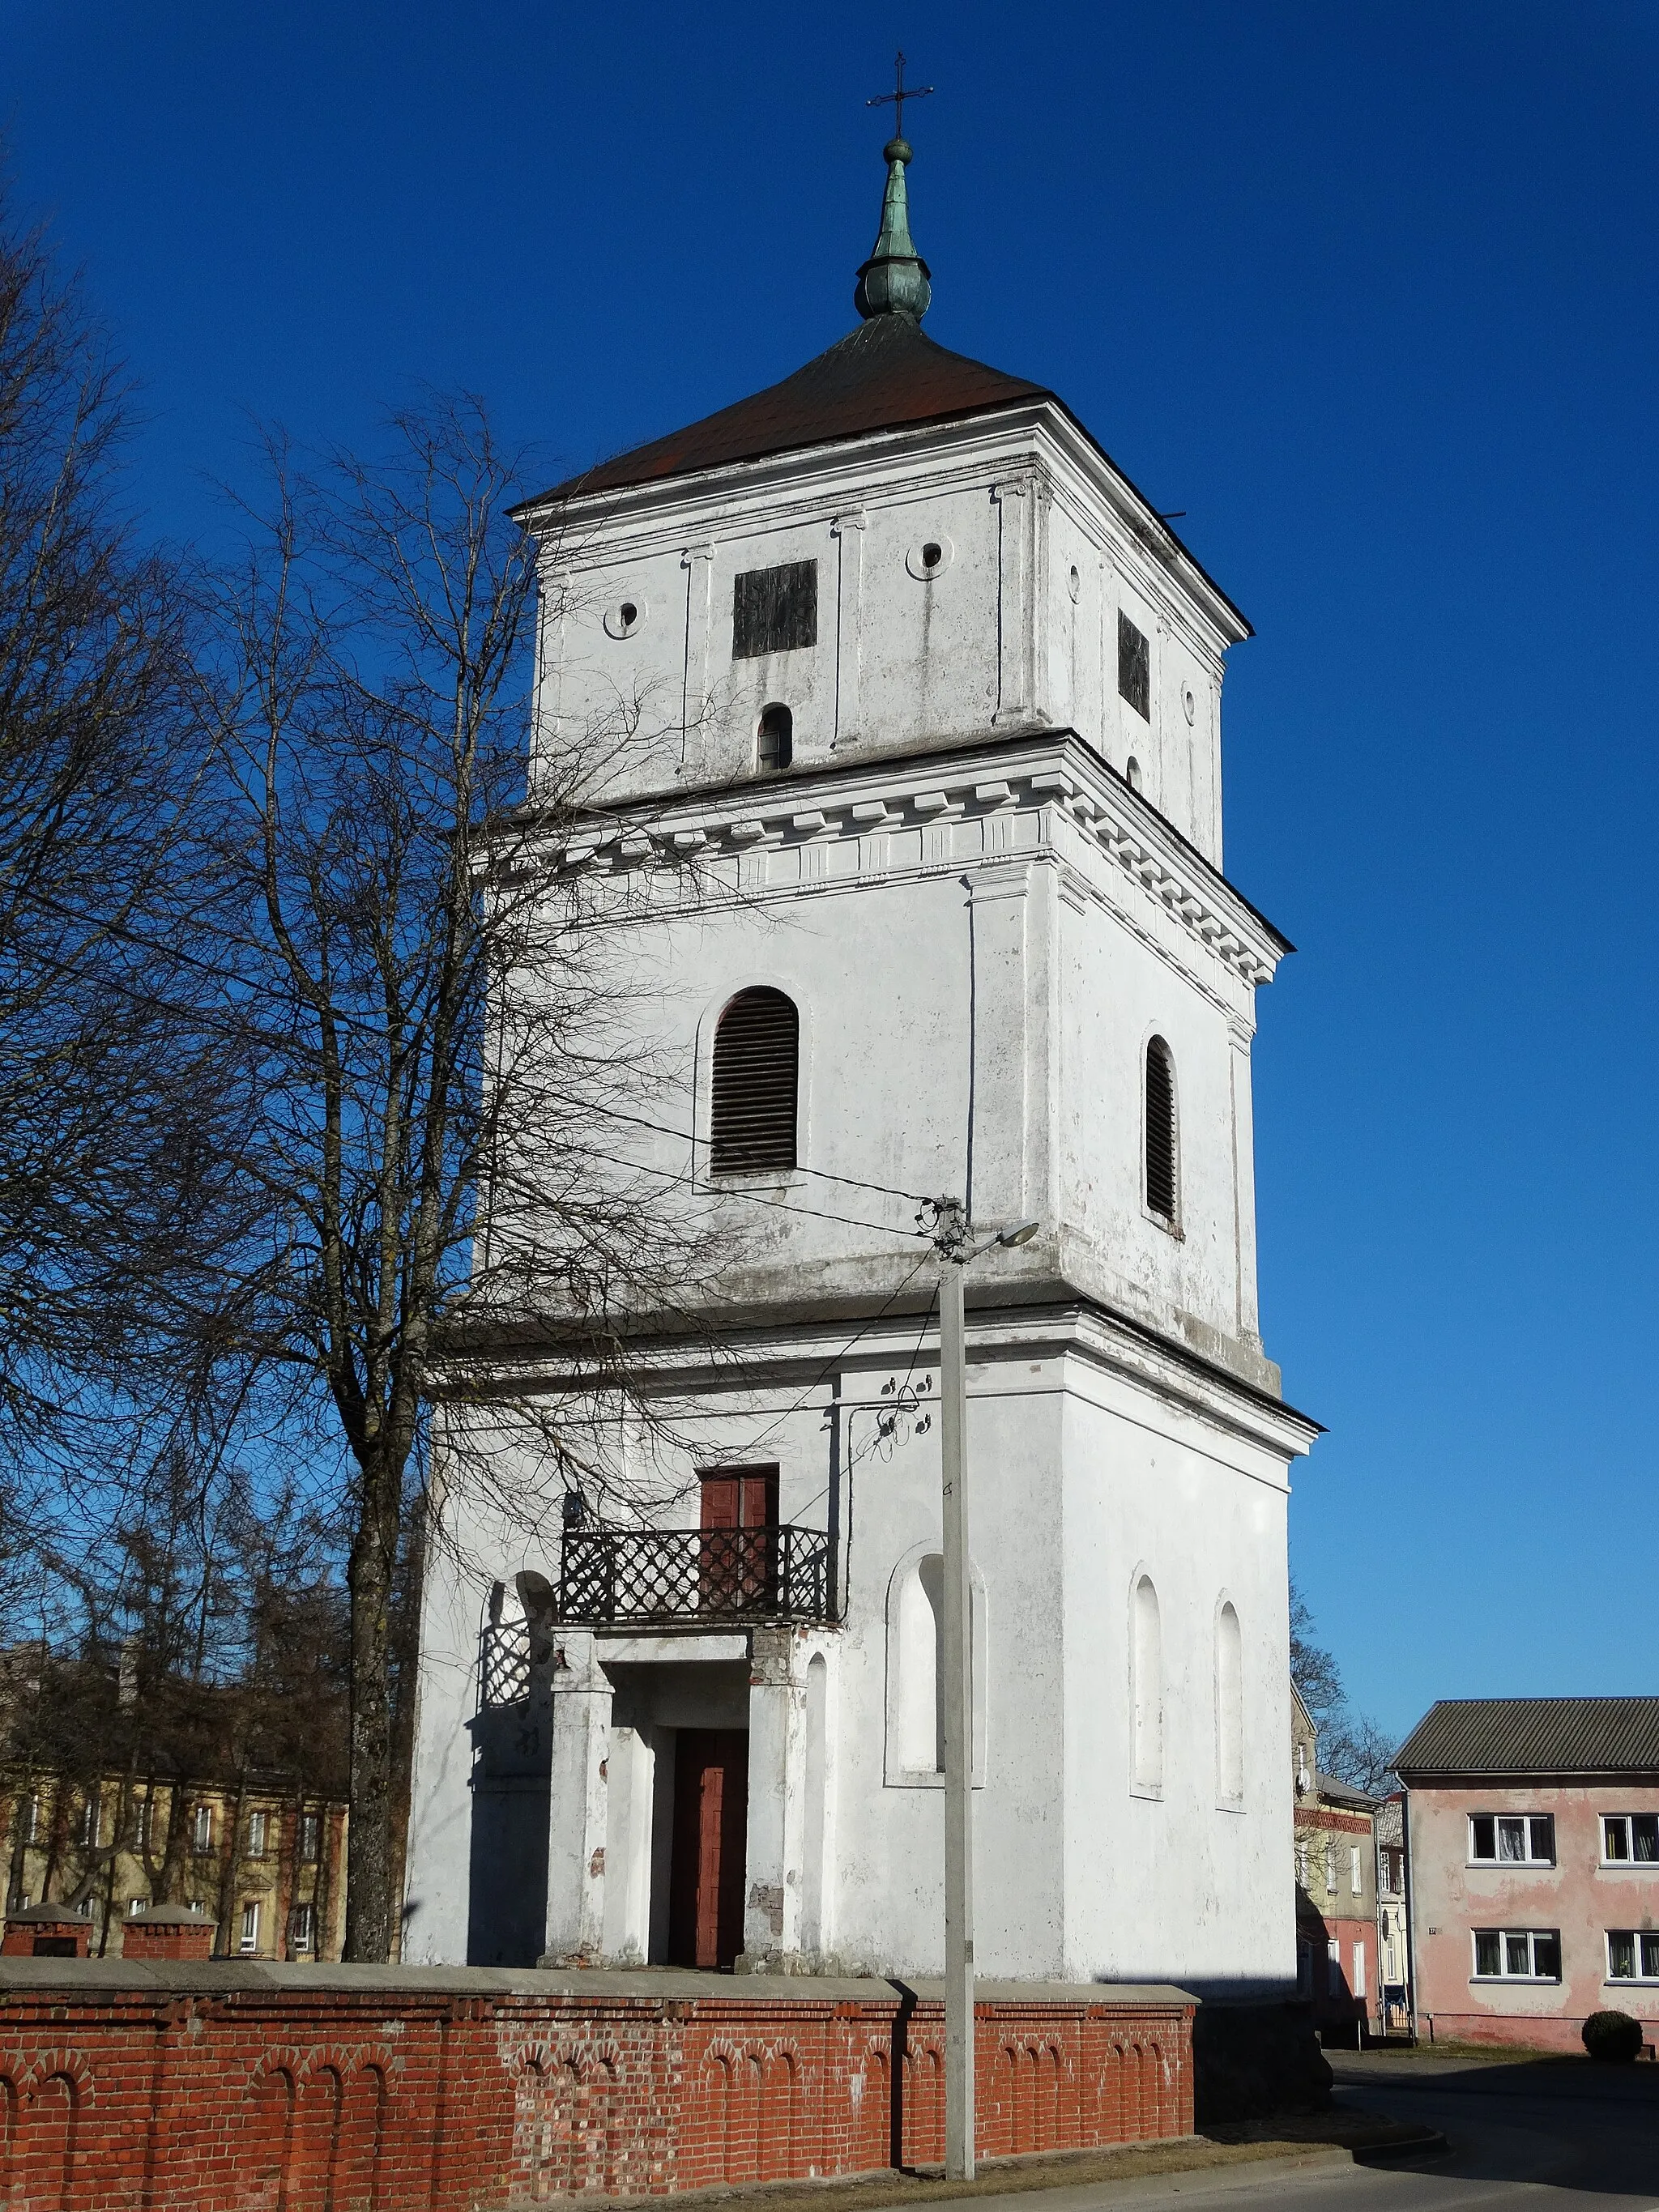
(1022, 1233)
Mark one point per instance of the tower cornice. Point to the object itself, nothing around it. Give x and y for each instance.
(953, 809)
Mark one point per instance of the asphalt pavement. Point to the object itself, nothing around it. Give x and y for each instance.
(1547, 2136)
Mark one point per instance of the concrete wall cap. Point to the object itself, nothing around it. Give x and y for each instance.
(643, 1985)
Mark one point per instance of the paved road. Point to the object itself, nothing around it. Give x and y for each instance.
(1547, 2138)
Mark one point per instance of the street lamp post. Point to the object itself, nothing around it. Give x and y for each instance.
(952, 1240)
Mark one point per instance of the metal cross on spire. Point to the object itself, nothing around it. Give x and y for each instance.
(896, 98)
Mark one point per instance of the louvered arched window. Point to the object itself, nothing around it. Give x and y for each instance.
(1160, 1132)
(756, 1065)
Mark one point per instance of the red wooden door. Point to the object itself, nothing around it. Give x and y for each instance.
(711, 1825)
(738, 1569)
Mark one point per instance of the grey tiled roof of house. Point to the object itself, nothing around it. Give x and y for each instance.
(1338, 1792)
(1533, 1736)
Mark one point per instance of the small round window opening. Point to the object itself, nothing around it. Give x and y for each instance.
(1074, 586)
(928, 559)
(1131, 773)
(624, 618)
(774, 740)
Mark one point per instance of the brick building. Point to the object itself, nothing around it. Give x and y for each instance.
(1336, 1901)
(1394, 1964)
(263, 1861)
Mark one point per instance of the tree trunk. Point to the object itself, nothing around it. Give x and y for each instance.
(371, 1901)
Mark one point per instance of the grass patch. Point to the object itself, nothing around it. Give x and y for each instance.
(1495, 2054)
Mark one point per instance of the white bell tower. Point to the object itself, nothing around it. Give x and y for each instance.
(942, 741)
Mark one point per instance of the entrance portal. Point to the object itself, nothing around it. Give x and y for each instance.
(711, 1820)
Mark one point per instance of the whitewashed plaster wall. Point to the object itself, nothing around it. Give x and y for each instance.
(1081, 1474)
(980, 923)
(997, 637)
(979, 952)
(1156, 1489)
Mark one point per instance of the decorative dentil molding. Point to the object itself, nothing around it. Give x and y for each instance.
(1154, 864)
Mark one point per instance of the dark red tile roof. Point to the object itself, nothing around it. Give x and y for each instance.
(884, 374)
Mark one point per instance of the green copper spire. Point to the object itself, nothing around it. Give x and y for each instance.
(894, 281)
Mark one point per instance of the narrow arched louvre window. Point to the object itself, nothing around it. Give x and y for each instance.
(756, 1057)
(1160, 1131)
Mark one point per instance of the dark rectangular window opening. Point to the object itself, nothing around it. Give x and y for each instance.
(1134, 668)
(775, 610)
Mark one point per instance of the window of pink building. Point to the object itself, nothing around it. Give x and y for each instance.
(1526, 1954)
(1629, 1836)
(1512, 1839)
(1632, 1955)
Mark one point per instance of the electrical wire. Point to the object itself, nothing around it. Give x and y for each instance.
(754, 1198)
(915, 1354)
(822, 1175)
(838, 1358)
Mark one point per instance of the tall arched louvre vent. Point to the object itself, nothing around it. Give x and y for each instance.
(1160, 1131)
(757, 1060)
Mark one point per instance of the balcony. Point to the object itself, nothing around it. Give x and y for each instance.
(648, 1579)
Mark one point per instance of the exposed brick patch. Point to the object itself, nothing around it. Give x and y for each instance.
(41, 1934)
(121, 2093)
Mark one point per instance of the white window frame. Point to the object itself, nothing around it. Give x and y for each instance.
(1505, 1935)
(248, 1942)
(1356, 1880)
(202, 1828)
(310, 1838)
(257, 1825)
(1624, 1820)
(1330, 1868)
(1640, 1940)
(1528, 1819)
(302, 1928)
(135, 1904)
(1333, 1966)
(32, 1833)
(92, 1821)
(1303, 1869)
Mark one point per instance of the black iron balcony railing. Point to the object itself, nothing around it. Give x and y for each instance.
(658, 1577)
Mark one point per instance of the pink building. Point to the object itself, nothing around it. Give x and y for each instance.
(1532, 1840)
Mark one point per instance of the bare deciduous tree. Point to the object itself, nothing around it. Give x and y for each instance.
(429, 1039)
(104, 1194)
(1352, 1746)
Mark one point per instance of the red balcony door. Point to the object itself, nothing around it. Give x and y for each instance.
(710, 1846)
(738, 1567)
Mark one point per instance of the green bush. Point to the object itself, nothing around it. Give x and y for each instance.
(1613, 2035)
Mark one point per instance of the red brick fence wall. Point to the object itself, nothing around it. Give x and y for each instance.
(254, 2088)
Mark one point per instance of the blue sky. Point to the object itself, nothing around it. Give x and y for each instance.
(1370, 292)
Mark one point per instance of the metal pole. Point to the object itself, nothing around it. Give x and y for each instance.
(957, 1688)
